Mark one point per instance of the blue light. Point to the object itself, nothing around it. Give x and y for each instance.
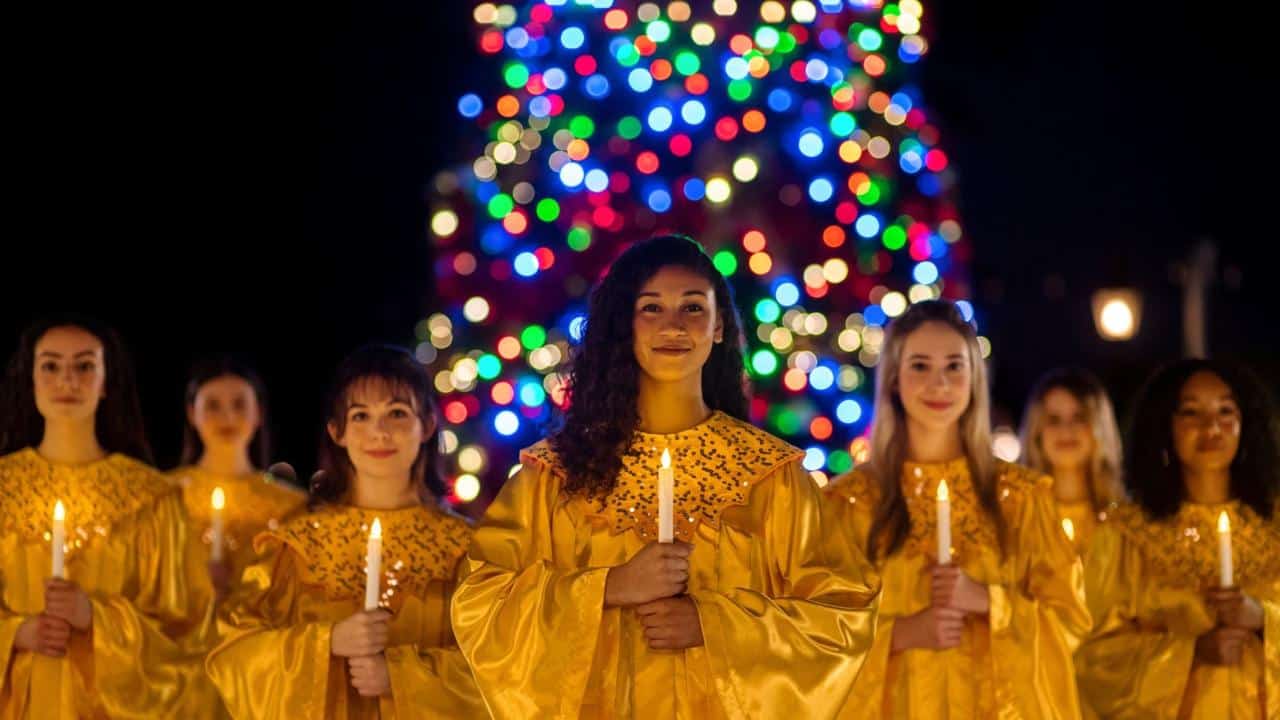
(597, 86)
(929, 185)
(848, 411)
(867, 226)
(966, 310)
(779, 100)
(693, 112)
(821, 189)
(572, 37)
(874, 315)
(830, 39)
(577, 327)
(816, 70)
(486, 190)
(925, 273)
(571, 174)
(554, 78)
(597, 180)
(526, 264)
(532, 394)
(659, 201)
(506, 423)
(903, 101)
(470, 105)
(695, 189)
(810, 143)
(814, 459)
(736, 68)
(517, 37)
(787, 294)
(910, 162)
(495, 241)
(822, 378)
(660, 119)
(640, 80)
(540, 106)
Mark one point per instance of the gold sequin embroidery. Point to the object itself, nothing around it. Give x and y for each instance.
(1184, 548)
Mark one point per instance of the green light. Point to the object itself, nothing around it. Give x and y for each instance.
(533, 337)
(894, 237)
(766, 37)
(786, 43)
(839, 461)
(843, 124)
(658, 31)
(788, 422)
(500, 205)
(629, 127)
(739, 90)
(547, 209)
(871, 195)
(870, 40)
(579, 239)
(489, 366)
(516, 75)
(764, 362)
(768, 311)
(628, 55)
(725, 262)
(687, 63)
(582, 126)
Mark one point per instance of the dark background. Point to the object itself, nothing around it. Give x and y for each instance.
(251, 177)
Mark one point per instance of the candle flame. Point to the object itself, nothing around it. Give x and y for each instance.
(666, 459)
(376, 530)
(59, 512)
(943, 494)
(219, 499)
(1069, 528)
(1224, 522)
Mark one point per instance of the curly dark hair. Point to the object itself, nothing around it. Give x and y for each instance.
(1152, 473)
(118, 420)
(601, 419)
(212, 368)
(397, 367)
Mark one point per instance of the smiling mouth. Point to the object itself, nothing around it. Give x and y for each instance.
(380, 453)
(671, 350)
(67, 400)
(938, 404)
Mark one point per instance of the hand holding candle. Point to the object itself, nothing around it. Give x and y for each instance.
(1226, 569)
(666, 499)
(944, 524)
(217, 501)
(373, 566)
(59, 540)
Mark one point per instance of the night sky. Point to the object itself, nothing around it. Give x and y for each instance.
(251, 178)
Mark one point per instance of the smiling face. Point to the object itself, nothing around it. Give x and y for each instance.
(935, 376)
(1206, 423)
(675, 325)
(225, 412)
(1067, 435)
(383, 432)
(69, 374)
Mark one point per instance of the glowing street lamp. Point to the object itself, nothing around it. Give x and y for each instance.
(1117, 313)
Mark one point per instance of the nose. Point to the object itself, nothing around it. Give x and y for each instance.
(939, 380)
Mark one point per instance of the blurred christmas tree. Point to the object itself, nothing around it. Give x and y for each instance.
(788, 138)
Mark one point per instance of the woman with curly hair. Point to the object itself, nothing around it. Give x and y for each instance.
(1170, 641)
(570, 607)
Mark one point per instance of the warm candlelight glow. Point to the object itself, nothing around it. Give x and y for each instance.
(376, 530)
(1224, 522)
(943, 494)
(59, 512)
(1069, 528)
(219, 499)
(666, 459)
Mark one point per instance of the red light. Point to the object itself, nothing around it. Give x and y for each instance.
(584, 65)
(820, 428)
(455, 412)
(726, 128)
(680, 145)
(647, 162)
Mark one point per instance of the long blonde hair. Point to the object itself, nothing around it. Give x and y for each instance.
(1104, 467)
(889, 427)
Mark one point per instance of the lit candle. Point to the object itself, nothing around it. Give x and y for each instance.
(1226, 572)
(666, 499)
(59, 540)
(218, 501)
(944, 524)
(1069, 528)
(373, 566)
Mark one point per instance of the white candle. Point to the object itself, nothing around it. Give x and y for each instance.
(944, 524)
(1226, 571)
(666, 499)
(217, 501)
(1069, 528)
(373, 566)
(59, 540)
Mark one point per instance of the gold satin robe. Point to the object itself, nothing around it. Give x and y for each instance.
(126, 546)
(274, 660)
(1084, 521)
(1013, 663)
(1146, 583)
(787, 615)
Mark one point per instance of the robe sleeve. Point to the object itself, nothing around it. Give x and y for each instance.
(802, 645)
(9, 624)
(266, 665)
(527, 626)
(431, 683)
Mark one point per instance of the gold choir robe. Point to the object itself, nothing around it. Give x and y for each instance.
(274, 658)
(787, 615)
(1146, 582)
(126, 546)
(1013, 663)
